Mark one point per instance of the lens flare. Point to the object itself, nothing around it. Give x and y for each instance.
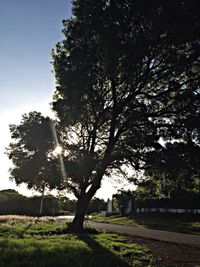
(58, 150)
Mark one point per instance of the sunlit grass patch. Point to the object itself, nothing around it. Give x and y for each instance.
(43, 245)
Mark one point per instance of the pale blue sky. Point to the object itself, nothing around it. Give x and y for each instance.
(29, 29)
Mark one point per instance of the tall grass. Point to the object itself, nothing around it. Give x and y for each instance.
(45, 244)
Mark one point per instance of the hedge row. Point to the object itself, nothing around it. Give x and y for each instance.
(181, 201)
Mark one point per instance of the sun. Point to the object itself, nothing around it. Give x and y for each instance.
(58, 150)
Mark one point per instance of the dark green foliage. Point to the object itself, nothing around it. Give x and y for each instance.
(176, 166)
(150, 187)
(123, 197)
(11, 202)
(65, 204)
(31, 153)
(179, 200)
(127, 75)
(96, 205)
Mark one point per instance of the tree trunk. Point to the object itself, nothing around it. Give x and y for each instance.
(82, 205)
(41, 202)
(77, 224)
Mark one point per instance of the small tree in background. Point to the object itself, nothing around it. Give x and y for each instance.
(31, 154)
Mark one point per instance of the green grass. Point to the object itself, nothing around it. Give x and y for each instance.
(25, 243)
(189, 224)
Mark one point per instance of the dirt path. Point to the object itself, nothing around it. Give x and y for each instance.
(169, 249)
(168, 254)
(166, 236)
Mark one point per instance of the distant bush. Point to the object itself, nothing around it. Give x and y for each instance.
(11, 202)
(180, 200)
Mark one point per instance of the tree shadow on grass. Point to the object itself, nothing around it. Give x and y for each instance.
(102, 256)
(25, 230)
(84, 252)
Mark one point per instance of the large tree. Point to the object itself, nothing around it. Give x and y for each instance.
(127, 72)
(127, 75)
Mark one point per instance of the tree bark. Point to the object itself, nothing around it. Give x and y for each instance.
(81, 208)
(82, 204)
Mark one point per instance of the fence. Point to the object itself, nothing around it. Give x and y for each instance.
(168, 210)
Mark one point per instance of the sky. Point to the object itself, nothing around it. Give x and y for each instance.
(29, 30)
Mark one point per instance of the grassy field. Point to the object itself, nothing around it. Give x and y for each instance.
(26, 242)
(189, 224)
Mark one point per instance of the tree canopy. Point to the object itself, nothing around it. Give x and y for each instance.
(176, 169)
(127, 75)
(31, 153)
